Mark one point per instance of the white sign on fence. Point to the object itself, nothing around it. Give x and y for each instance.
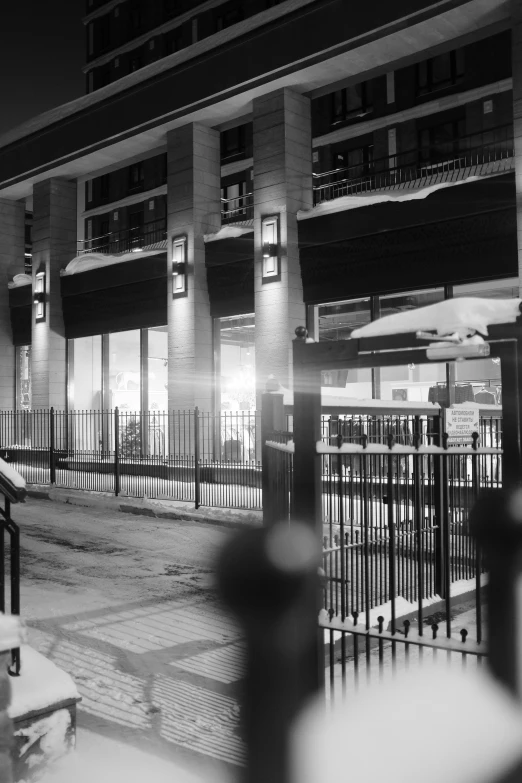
(461, 424)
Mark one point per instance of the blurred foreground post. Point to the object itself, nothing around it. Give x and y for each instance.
(496, 520)
(269, 580)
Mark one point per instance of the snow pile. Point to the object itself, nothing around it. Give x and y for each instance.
(52, 735)
(343, 203)
(20, 280)
(332, 396)
(41, 684)
(228, 232)
(416, 727)
(12, 632)
(88, 261)
(460, 316)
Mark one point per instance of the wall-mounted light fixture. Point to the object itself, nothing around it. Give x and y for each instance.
(39, 295)
(179, 266)
(270, 242)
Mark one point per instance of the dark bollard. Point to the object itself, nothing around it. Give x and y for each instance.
(269, 579)
(496, 521)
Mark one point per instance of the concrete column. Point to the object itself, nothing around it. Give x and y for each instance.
(12, 246)
(516, 32)
(282, 185)
(54, 245)
(193, 209)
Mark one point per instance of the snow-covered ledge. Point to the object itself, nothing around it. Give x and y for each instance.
(228, 232)
(88, 261)
(20, 280)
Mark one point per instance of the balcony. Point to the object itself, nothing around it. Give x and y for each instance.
(238, 209)
(476, 155)
(148, 236)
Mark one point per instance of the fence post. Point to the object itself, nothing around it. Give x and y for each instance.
(438, 425)
(272, 418)
(197, 477)
(116, 451)
(52, 463)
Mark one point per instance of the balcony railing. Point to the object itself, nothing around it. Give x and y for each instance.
(234, 210)
(127, 240)
(478, 154)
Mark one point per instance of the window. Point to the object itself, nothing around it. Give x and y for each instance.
(233, 142)
(174, 40)
(441, 142)
(351, 102)
(136, 177)
(105, 183)
(359, 162)
(228, 18)
(439, 72)
(235, 337)
(233, 201)
(135, 18)
(102, 33)
(23, 378)
(135, 63)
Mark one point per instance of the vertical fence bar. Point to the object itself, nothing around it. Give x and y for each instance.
(116, 451)
(52, 461)
(197, 475)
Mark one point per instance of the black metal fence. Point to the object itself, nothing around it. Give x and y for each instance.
(194, 456)
(396, 540)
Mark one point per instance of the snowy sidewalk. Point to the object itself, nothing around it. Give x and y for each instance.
(126, 605)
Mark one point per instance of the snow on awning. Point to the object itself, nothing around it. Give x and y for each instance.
(228, 232)
(20, 280)
(88, 261)
(460, 316)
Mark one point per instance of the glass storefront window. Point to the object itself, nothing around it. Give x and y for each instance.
(124, 370)
(158, 368)
(85, 385)
(336, 322)
(237, 363)
(23, 378)
(416, 383)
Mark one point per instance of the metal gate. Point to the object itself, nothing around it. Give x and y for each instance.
(390, 499)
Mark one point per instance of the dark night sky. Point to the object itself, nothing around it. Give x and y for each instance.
(42, 51)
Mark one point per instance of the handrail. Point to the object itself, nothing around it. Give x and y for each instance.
(126, 239)
(428, 162)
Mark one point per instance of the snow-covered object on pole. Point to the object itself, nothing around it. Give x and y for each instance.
(12, 484)
(462, 317)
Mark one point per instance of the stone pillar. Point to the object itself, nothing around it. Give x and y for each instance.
(194, 209)
(54, 245)
(282, 186)
(516, 32)
(12, 246)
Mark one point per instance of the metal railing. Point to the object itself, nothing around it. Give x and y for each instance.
(477, 154)
(197, 456)
(126, 240)
(237, 209)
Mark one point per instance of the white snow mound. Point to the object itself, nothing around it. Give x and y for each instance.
(461, 316)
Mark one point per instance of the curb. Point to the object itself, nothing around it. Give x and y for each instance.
(157, 509)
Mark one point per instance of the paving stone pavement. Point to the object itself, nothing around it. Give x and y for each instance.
(128, 607)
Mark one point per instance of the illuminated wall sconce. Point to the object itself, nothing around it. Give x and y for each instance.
(270, 241)
(39, 296)
(179, 266)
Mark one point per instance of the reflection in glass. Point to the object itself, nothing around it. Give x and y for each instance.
(86, 381)
(237, 363)
(158, 374)
(124, 370)
(23, 378)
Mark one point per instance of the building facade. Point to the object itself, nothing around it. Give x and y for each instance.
(239, 169)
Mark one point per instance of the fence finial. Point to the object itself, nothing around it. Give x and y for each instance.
(301, 333)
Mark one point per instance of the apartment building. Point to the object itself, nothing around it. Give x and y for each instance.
(239, 169)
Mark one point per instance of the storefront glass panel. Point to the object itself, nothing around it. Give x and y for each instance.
(86, 382)
(237, 363)
(337, 322)
(158, 368)
(124, 370)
